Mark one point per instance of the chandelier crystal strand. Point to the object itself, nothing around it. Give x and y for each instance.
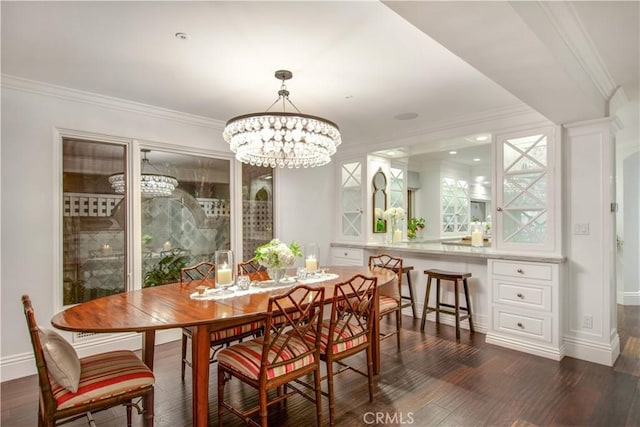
(282, 139)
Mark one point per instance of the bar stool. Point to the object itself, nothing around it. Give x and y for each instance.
(455, 278)
(412, 303)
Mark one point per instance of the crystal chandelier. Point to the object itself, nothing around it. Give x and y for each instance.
(282, 139)
(151, 185)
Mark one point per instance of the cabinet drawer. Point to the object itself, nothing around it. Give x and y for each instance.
(523, 270)
(347, 256)
(522, 325)
(532, 296)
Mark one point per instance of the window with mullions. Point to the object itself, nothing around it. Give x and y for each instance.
(185, 214)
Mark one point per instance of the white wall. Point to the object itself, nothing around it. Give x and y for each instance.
(305, 200)
(630, 248)
(31, 180)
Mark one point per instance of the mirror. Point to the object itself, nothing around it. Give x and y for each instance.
(379, 183)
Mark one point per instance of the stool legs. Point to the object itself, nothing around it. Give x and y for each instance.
(466, 296)
(425, 309)
(456, 306)
(413, 301)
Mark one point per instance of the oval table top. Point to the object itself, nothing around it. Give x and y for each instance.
(170, 306)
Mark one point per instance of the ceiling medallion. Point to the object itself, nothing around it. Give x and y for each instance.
(282, 139)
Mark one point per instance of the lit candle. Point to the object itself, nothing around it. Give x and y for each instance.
(224, 276)
(311, 264)
(166, 246)
(397, 236)
(106, 250)
(476, 238)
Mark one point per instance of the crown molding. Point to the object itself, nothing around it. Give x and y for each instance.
(75, 95)
(564, 18)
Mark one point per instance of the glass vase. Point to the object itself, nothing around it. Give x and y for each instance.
(224, 269)
(276, 274)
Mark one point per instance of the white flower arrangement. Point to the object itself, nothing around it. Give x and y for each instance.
(276, 254)
(394, 215)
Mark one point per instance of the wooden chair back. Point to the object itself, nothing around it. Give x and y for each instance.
(299, 313)
(47, 401)
(203, 271)
(353, 309)
(392, 263)
(252, 269)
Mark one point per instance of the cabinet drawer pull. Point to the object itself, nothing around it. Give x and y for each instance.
(521, 271)
(519, 295)
(346, 253)
(520, 325)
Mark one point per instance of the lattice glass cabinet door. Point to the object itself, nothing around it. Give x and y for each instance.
(454, 204)
(526, 181)
(351, 200)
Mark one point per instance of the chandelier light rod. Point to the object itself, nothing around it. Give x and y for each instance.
(281, 138)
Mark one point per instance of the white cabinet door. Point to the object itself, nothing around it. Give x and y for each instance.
(526, 188)
(350, 222)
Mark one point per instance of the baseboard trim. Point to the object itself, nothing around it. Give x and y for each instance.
(601, 353)
(628, 298)
(22, 365)
(536, 349)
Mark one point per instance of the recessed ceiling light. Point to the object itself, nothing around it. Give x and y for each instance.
(405, 116)
(182, 36)
(476, 159)
(482, 138)
(453, 152)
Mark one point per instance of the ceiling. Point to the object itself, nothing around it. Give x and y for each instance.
(365, 65)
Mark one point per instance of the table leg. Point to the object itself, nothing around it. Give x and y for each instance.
(200, 375)
(148, 350)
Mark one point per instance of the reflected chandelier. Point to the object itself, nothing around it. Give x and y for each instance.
(151, 185)
(282, 139)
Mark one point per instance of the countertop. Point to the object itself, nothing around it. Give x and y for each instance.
(448, 249)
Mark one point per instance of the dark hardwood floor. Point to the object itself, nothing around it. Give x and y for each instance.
(434, 381)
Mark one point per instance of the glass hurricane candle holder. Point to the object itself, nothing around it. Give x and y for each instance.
(311, 256)
(224, 269)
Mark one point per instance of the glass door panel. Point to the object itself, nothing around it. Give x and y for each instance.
(189, 225)
(351, 200)
(93, 237)
(257, 208)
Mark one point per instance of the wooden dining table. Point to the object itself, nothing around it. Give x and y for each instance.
(170, 306)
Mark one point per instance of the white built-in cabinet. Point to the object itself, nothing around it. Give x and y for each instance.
(525, 300)
(355, 189)
(527, 186)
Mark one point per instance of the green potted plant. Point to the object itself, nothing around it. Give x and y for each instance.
(167, 270)
(414, 226)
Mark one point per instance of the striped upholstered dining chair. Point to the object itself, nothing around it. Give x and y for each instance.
(390, 304)
(72, 387)
(348, 331)
(204, 272)
(284, 354)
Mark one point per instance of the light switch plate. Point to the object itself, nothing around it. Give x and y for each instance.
(581, 228)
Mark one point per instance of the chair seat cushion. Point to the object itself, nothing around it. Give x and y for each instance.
(230, 333)
(105, 375)
(387, 304)
(245, 358)
(342, 332)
